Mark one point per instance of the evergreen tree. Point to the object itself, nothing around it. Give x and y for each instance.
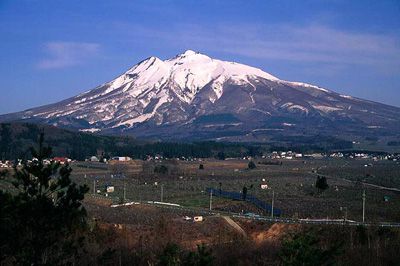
(321, 184)
(161, 169)
(170, 256)
(251, 165)
(305, 249)
(203, 257)
(5, 141)
(173, 255)
(221, 155)
(244, 193)
(41, 222)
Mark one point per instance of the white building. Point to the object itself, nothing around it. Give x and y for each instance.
(122, 158)
(94, 159)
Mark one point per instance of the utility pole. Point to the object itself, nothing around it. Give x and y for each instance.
(162, 192)
(363, 214)
(344, 209)
(211, 192)
(272, 204)
(124, 192)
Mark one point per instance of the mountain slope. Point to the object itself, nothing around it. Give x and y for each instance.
(193, 95)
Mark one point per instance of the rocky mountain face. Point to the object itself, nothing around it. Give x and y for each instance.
(197, 97)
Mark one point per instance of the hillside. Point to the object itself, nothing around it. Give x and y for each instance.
(17, 138)
(195, 97)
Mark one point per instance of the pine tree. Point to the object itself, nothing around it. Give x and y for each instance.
(244, 193)
(321, 184)
(221, 155)
(40, 222)
(251, 165)
(304, 248)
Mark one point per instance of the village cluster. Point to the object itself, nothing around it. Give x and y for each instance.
(277, 155)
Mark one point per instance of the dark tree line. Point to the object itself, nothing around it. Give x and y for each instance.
(5, 141)
(16, 138)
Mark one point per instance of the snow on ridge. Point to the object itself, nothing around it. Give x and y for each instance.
(222, 124)
(288, 124)
(233, 69)
(146, 116)
(291, 106)
(79, 101)
(190, 52)
(192, 70)
(296, 106)
(305, 85)
(218, 87)
(132, 121)
(326, 109)
(189, 72)
(346, 96)
(91, 130)
(154, 79)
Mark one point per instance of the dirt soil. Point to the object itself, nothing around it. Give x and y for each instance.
(137, 223)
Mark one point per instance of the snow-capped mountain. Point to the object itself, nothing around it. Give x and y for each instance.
(195, 95)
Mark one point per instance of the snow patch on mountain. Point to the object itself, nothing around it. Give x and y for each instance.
(293, 107)
(327, 109)
(288, 124)
(91, 130)
(346, 96)
(305, 85)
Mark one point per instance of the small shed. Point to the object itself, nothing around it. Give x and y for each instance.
(94, 159)
(198, 218)
(386, 198)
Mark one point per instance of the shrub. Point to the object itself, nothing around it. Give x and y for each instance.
(251, 165)
(321, 184)
(161, 169)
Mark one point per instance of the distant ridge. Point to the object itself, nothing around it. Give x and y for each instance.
(193, 96)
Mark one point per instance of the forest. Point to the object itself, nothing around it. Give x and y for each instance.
(16, 138)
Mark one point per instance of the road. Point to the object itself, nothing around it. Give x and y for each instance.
(230, 215)
(234, 225)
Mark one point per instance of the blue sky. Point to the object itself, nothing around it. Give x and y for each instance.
(51, 50)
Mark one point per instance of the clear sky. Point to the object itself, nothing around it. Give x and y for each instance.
(51, 50)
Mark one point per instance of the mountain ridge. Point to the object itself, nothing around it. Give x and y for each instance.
(162, 98)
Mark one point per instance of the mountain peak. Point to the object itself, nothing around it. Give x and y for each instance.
(176, 92)
(189, 53)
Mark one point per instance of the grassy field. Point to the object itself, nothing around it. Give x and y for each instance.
(293, 184)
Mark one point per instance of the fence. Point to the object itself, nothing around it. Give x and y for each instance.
(239, 196)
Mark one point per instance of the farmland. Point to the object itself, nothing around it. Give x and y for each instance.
(139, 233)
(293, 183)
